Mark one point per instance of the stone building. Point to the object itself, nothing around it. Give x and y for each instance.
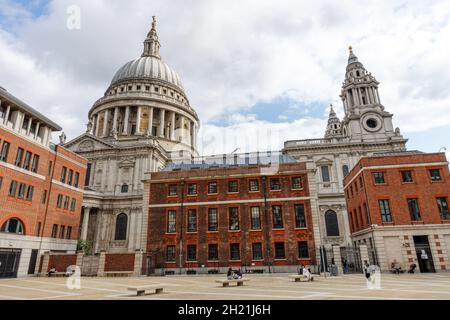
(41, 190)
(249, 213)
(398, 208)
(143, 121)
(366, 128)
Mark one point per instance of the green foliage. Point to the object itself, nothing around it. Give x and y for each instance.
(85, 246)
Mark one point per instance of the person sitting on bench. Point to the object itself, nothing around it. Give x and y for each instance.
(396, 268)
(307, 274)
(412, 268)
(51, 271)
(234, 274)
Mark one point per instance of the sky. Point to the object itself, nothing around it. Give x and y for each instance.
(257, 72)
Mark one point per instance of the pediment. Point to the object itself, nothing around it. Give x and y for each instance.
(324, 160)
(86, 143)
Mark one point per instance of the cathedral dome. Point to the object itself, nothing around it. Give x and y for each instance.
(148, 68)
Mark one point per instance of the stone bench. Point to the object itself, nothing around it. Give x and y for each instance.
(301, 278)
(142, 290)
(57, 274)
(226, 283)
(118, 273)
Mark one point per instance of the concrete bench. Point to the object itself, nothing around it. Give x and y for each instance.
(226, 283)
(57, 274)
(142, 290)
(301, 278)
(118, 273)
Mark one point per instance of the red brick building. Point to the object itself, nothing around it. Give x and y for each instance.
(40, 189)
(214, 216)
(398, 207)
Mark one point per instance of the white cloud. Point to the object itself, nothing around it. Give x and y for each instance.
(232, 55)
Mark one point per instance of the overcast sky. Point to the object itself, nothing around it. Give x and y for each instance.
(257, 72)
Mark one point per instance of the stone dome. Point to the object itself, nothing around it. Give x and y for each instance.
(148, 68)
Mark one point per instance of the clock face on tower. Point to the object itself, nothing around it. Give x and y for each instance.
(372, 122)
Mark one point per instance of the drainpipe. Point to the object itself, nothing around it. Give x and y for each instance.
(266, 223)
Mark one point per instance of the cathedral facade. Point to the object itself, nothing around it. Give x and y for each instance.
(143, 121)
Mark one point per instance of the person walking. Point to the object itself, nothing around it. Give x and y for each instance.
(366, 269)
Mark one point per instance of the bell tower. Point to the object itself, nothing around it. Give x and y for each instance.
(365, 117)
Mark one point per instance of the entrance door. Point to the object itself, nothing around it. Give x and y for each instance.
(9, 262)
(33, 259)
(423, 253)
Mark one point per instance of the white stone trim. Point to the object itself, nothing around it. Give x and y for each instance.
(59, 183)
(21, 170)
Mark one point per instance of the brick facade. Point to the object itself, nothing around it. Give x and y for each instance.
(119, 262)
(225, 203)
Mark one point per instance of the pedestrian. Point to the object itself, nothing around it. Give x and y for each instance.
(396, 266)
(366, 269)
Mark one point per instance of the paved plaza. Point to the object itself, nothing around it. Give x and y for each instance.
(261, 287)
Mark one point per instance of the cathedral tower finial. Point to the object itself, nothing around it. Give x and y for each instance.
(351, 58)
(151, 44)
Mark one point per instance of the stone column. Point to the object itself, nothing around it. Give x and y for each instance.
(364, 254)
(194, 132)
(8, 110)
(45, 262)
(338, 259)
(172, 127)
(116, 114)
(182, 131)
(79, 261)
(150, 122)
(84, 228)
(137, 263)
(30, 122)
(105, 123)
(38, 125)
(97, 124)
(101, 264)
(162, 120)
(127, 118)
(378, 96)
(138, 120)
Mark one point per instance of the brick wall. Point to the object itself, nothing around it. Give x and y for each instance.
(119, 262)
(60, 262)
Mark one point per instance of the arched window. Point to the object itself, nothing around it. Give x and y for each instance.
(13, 226)
(124, 188)
(331, 223)
(345, 170)
(121, 226)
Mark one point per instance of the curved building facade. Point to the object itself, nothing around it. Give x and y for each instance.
(143, 121)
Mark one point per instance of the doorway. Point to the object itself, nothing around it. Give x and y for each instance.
(33, 260)
(423, 252)
(9, 262)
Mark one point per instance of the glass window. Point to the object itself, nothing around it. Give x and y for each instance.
(279, 250)
(87, 178)
(192, 189)
(13, 226)
(4, 152)
(66, 202)
(191, 252)
(13, 188)
(62, 231)
(233, 218)
(277, 216)
(30, 192)
(331, 223)
(297, 183)
(233, 186)
(170, 253)
(21, 193)
(73, 205)
(27, 162)
(121, 227)
(192, 220)
(303, 250)
(38, 229)
(255, 218)
(385, 211)
(212, 219)
(235, 252)
(124, 188)
(19, 157)
(275, 184)
(407, 176)
(70, 177)
(325, 173)
(172, 190)
(300, 221)
(253, 185)
(172, 221)
(345, 170)
(59, 201)
(443, 208)
(212, 187)
(414, 211)
(63, 174)
(77, 178)
(379, 177)
(213, 252)
(35, 163)
(257, 253)
(435, 175)
(54, 230)
(69, 233)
